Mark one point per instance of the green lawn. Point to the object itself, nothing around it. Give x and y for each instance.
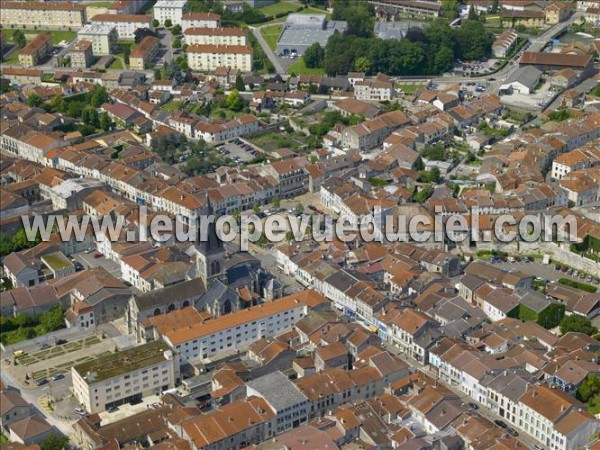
(3, 439)
(279, 8)
(409, 88)
(57, 36)
(271, 34)
(13, 58)
(117, 63)
(173, 105)
(299, 68)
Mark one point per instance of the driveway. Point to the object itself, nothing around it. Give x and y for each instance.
(272, 57)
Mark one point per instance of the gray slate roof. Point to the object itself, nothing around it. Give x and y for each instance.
(277, 390)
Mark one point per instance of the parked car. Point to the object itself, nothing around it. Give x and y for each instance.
(500, 423)
(61, 341)
(58, 376)
(80, 411)
(45, 346)
(473, 405)
(112, 409)
(41, 382)
(512, 431)
(98, 255)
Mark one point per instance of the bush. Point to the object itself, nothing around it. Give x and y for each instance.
(578, 285)
(578, 324)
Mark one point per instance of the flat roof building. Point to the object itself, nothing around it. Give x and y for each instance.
(300, 31)
(172, 10)
(82, 54)
(125, 376)
(102, 36)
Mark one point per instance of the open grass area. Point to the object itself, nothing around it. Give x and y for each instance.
(410, 88)
(117, 63)
(13, 58)
(271, 34)
(299, 68)
(173, 105)
(275, 140)
(4, 439)
(57, 36)
(279, 8)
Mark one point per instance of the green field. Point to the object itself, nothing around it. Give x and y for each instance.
(173, 105)
(271, 34)
(299, 68)
(57, 36)
(279, 8)
(117, 63)
(409, 88)
(98, 4)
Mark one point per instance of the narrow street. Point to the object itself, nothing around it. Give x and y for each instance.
(482, 411)
(272, 57)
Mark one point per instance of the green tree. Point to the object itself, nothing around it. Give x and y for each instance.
(444, 60)
(474, 42)
(176, 30)
(450, 9)
(430, 176)
(435, 152)
(104, 121)
(157, 74)
(21, 241)
(168, 23)
(177, 43)
(99, 96)
(299, 209)
(155, 23)
(55, 442)
(19, 39)
(234, 102)
(362, 64)
(126, 53)
(239, 83)
(578, 324)
(34, 100)
(90, 117)
(314, 56)
(52, 320)
(422, 195)
(589, 389)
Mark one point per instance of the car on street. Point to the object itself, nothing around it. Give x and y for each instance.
(112, 409)
(98, 255)
(61, 341)
(473, 405)
(80, 411)
(58, 376)
(45, 346)
(500, 423)
(512, 431)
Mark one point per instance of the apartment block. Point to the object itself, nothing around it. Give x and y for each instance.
(48, 15)
(216, 36)
(103, 38)
(206, 58)
(126, 24)
(240, 329)
(141, 56)
(374, 90)
(200, 20)
(36, 50)
(172, 10)
(125, 376)
(82, 55)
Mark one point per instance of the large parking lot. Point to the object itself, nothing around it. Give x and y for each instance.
(50, 360)
(239, 150)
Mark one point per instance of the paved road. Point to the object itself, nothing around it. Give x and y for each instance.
(272, 57)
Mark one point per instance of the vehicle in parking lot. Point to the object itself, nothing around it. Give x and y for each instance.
(45, 346)
(78, 266)
(61, 341)
(500, 423)
(80, 411)
(58, 376)
(512, 431)
(41, 382)
(473, 405)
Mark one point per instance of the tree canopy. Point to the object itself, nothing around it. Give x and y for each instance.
(428, 51)
(314, 56)
(577, 323)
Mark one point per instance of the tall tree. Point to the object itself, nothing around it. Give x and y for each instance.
(19, 38)
(239, 83)
(314, 56)
(34, 100)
